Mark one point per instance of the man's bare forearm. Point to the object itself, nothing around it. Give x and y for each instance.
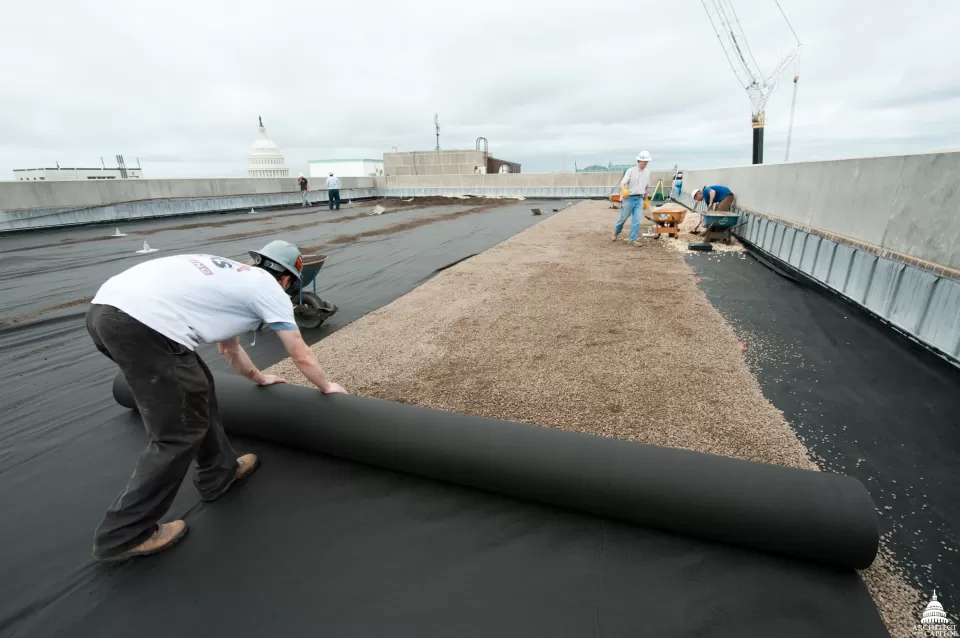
(309, 366)
(305, 360)
(239, 360)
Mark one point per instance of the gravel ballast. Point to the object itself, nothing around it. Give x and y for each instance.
(561, 327)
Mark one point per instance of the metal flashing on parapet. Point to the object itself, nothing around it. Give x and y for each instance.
(917, 302)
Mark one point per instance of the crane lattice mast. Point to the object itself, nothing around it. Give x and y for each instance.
(723, 18)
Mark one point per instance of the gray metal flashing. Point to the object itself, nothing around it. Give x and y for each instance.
(922, 304)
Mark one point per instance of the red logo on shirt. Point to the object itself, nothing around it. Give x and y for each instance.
(201, 267)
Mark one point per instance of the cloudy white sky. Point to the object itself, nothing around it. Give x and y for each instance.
(179, 84)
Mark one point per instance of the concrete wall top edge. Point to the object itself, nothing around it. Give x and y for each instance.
(841, 159)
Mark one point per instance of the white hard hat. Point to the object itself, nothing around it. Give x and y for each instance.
(301, 174)
(331, 173)
(644, 156)
(697, 192)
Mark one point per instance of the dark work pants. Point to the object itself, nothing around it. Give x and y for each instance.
(175, 396)
(334, 197)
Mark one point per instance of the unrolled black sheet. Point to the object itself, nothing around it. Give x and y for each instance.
(815, 516)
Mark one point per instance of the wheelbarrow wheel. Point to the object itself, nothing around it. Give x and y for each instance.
(313, 312)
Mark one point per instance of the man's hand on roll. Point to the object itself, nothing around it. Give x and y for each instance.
(269, 379)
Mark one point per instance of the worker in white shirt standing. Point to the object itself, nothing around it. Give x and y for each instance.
(333, 191)
(637, 183)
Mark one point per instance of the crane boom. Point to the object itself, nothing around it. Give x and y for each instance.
(793, 106)
(723, 18)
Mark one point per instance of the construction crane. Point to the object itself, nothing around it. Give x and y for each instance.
(793, 107)
(723, 18)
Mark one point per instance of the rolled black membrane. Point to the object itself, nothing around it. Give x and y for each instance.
(816, 516)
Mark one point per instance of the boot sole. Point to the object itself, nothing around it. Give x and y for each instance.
(120, 558)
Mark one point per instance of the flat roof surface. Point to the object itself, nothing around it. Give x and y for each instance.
(413, 557)
(868, 402)
(59, 423)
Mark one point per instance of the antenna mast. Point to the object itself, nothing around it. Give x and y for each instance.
(436, 123)
(723, 18)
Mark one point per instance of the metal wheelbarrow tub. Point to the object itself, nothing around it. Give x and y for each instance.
(720, 221)
(309, 309)
(667, 219)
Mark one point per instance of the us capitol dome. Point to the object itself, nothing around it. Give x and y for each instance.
(265, 159)
(934, 614)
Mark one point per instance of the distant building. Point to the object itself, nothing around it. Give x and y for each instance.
(469, 162)
(265, 159)
(346, 167)
(66, 174)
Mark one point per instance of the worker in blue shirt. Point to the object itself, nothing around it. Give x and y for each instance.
(715, 197)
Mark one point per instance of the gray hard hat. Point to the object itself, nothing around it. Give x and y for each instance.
(279, 256)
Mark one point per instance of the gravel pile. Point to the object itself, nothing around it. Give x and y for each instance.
(687, 226)
(560, 327)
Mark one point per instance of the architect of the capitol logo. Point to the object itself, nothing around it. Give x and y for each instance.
(934, 621)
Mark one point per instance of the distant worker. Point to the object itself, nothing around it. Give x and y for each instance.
(715, 197)
(333, 191)
(304, 189)
(677, 184)
(149, 320)
(636, 182)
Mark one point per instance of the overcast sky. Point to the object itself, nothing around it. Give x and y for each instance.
(179, 84)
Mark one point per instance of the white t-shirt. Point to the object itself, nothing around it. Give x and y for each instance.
(194, 299)
(333, 183)
(636, 181)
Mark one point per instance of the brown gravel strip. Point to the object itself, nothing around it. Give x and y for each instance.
(400, 227)
(560, 327)
(30, 316)
(484, 206)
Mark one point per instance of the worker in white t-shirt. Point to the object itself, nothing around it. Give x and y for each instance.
(149, 320)
(333, 191)
(637, 183)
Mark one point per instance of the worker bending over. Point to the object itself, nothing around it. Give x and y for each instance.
(333, 191)
(636, 181)
(716, 197)
(149, 320)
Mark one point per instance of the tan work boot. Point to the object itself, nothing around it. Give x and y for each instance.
(615, 236)
(166, 535)
(246, 464)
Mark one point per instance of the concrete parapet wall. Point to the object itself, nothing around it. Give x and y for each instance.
(35, 205)
(508, 180)
(32, 195)
(907, 204)
(541, 192)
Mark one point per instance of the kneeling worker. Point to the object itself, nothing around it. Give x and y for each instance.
(637, 183)
(149, 320)
(716, 197)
